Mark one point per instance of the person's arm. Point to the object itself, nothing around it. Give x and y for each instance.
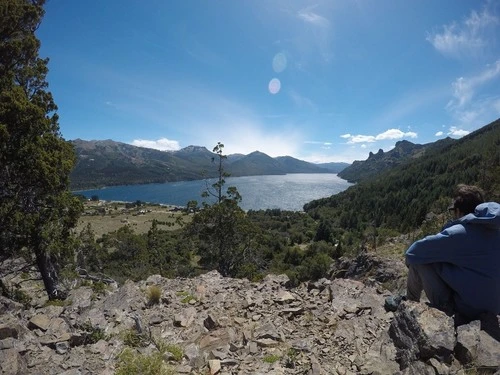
(441, 247)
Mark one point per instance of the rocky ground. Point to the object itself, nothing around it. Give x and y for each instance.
(216, 325)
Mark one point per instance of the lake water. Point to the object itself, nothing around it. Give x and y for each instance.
(286, 192)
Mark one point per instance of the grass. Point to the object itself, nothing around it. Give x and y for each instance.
(187, 297)
(154, 295)
(58, 302)
(272, 358)
(114, 219)
(131, 362)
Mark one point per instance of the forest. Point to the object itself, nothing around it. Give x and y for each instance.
(38, 212)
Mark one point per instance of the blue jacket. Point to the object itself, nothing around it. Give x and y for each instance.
(469, 250)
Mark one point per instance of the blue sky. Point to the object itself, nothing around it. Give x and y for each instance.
(318, 80)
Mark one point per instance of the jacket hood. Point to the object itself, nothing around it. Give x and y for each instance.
(487, 214)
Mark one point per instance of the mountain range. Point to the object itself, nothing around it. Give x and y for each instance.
(106, 163)
(381, 161)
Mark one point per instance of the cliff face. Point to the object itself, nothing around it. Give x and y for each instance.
(212, 324)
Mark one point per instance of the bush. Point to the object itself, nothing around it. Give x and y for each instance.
(154, 295)
(132, 363)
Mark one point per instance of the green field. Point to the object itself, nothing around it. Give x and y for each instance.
(106, 217)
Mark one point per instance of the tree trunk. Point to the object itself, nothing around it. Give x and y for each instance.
(49, 275)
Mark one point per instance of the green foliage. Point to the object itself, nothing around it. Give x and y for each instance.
(271, 358)
(20, 296)
(175, 350)
(131, 362)
(37, 211)
(186, 296)
(125, 255)
(99, 288)
(59, 303)
(400, 198)
(93, 334)
(222, 233)
(133, 339)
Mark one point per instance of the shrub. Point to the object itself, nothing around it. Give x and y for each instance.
(132, 363)
(154, 295)
(176, 351)
(93, 334)
(271, 358)
(132, 338)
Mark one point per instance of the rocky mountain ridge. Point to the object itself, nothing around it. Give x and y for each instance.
(378, 162)
(106, 163)
(215, 325)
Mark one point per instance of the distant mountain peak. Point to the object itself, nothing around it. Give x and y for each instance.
(193, 148)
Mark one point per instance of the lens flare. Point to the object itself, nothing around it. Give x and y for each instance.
(274, 86)
(279, 62)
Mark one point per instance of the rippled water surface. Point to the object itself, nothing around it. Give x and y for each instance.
(286, 192)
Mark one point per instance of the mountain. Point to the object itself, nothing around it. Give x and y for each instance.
(101, 163)
(381, 161)
(334, 167)
(106, 163)
(401, 196)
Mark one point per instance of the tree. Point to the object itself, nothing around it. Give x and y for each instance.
(37, 209)
(225, 235)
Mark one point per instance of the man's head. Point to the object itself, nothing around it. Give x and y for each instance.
(467, 197)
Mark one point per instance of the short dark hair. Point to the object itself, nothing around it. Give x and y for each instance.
(467, 198)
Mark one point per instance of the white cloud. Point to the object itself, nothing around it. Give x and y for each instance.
(162, 144)
(464, 88)
(313, 18)
(395, 134)
(389, 134)
(318, 143)
(439, 134)
(465, 38)
(472, 104)
(456, 132)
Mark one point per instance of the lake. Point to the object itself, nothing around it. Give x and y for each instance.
(286, 192)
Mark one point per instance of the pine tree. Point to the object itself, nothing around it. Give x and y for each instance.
(37, 210)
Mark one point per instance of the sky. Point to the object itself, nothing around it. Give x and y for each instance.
(322, 81)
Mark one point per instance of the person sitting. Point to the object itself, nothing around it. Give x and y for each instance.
(459, 268)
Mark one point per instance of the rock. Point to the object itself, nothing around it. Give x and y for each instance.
(467, 342)
(9, 306)
(11, 362)
(420, 332)
(337, 326)
(210, 323)
(284, 296)
(281, 280)
(488, 352)
(62, 347)
(214, 366)
(40, 321)
(185, 318)
(8, 331)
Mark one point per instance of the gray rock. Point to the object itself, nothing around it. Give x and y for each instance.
(185, 317)
(40, 321)
(11, 362)
(467, 342)
(488, 352)
(62, 347)
(420, 332)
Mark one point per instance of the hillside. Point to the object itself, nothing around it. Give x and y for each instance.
(400, 197)
(215, 325)
(106, 163)
(381, 161)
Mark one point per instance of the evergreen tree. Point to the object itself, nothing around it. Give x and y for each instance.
(225, 234)
(37, 210)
